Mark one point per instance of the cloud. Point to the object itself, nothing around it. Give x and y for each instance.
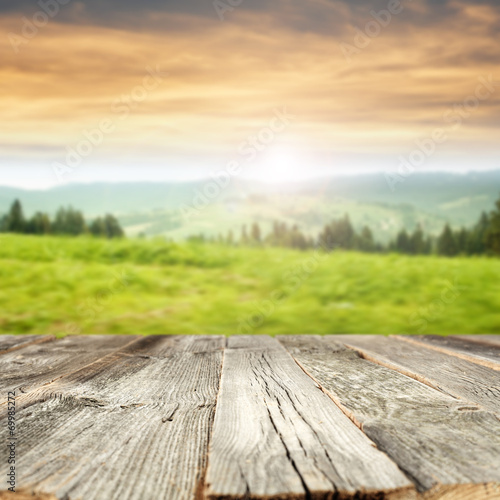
(222, 80)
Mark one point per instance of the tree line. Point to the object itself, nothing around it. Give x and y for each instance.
(67, 221)
(483, 238)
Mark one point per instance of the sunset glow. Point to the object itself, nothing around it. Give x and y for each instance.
(181, 90)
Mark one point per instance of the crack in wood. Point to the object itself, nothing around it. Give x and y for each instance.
(211, 418)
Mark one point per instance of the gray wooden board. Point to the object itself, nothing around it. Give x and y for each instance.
(444, 446)
(10, 343)
(277, 435)
(483, 354)
(41, 363)
(133, 425)
(484, 339)
(471, 382)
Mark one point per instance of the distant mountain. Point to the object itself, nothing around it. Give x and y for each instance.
(96, 199)
(458, 197)
(155, 208)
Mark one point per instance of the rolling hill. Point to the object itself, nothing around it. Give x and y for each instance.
(160, 208)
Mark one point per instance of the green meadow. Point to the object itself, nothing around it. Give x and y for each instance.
(92, 286)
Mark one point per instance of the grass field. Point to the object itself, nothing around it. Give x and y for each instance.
(84, 285)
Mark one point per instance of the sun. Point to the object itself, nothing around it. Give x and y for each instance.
(281, 164)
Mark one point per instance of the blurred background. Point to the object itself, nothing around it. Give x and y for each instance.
(249, 167)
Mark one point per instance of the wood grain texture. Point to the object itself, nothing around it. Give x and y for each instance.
(277, 435)
(480, 353)
(482, 339)
(134, 425)
(42, 363)
(10, 343)
(470, 382)
(445, 447)
(24, 495)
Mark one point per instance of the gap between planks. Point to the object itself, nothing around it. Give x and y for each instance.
(418, 427)
(467, 492)
(479, 353)
(277, 435)
(456, 377)
(491, 339)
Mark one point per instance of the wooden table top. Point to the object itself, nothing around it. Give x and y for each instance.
(210, 417)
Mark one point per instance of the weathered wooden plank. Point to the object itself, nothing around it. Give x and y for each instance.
(480, 353)
(10, 343)
(460, 378)
(446, 447)
(22, 495)
(42, 363)
(277, 435)
(482, 339)
(133, 425)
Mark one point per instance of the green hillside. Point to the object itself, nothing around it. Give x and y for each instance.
(85, 285)
(308, 213)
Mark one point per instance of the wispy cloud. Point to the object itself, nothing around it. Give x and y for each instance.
(225, 78)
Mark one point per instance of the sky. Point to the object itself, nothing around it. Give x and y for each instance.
(121, 90)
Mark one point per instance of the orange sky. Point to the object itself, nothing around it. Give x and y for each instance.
(219, 82)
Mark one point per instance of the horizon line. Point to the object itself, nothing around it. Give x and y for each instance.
(205, 178)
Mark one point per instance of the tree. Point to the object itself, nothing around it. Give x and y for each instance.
(462, 239)
(39, 224)
(343, 233)
(106, 227)
(365, 240)
(255, 233)
(98, 228)
(280, 235)
(476, 243)
(113, 228)
(297, 239)
(403, 242)
(446, 244)
(326, 238)
(339, 233)
(275, 235)
(416, 243)
(492, 233)
(244, 235)
(428, 244)
(15, 221)
(69, 221)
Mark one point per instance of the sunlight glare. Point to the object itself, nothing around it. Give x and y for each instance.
(281, 165)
